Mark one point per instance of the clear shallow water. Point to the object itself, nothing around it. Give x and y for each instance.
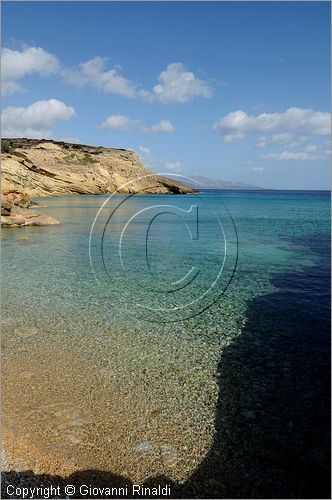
(90, 382)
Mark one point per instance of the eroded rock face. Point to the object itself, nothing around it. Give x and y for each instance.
(15, 211)
(49, 168)
(31, 168)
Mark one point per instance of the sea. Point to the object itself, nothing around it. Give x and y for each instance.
(177, 336)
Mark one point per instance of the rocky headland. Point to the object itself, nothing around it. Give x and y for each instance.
(38, 168)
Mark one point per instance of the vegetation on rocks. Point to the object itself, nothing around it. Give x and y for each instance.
(33, 168)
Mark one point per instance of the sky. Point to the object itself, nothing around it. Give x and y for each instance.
(238, 91)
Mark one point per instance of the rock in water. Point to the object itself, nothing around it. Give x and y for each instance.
(15, 211)
(25, 217)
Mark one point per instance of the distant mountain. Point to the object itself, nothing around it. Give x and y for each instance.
(217, 184)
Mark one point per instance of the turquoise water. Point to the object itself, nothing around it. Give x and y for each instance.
(113, 365)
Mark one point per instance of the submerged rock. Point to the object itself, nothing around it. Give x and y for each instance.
(17, 217)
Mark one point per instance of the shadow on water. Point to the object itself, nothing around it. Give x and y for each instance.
(273, 414)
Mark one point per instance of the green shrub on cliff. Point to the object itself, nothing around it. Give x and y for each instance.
(5, 147)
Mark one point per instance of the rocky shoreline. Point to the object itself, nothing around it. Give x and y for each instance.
(37, 168)
(17, 209)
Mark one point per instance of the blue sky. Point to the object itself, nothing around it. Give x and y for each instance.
(229, 90)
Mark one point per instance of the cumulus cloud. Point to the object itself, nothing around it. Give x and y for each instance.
(233, 137)
(118, 122)
(308, 152)
(17, 64)
(237, 124)
(288, 155)
(163, 127)
(299, 141)
(177, 84)
(35, 120)
(94, 72)
(277, 138)
(121, 122)
(174, 84)
(262, 142)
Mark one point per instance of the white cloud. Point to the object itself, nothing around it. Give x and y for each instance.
(262, 142)
(176, 84)
(258, 169)
(121, 122)
(233, 137)
(176, 166)
(306, 152)
(35, 120)
(299, 141)
(118, 122)
(288, 155)
(163, 127)
(93, 72)
(238, 124)
(284, 137)
(18, 64)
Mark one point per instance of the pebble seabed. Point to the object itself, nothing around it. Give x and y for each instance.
(229, 404)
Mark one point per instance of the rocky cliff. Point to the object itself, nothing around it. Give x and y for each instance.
(33, 168)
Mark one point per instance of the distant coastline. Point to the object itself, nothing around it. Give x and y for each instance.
(262, 190)
(197, 181)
